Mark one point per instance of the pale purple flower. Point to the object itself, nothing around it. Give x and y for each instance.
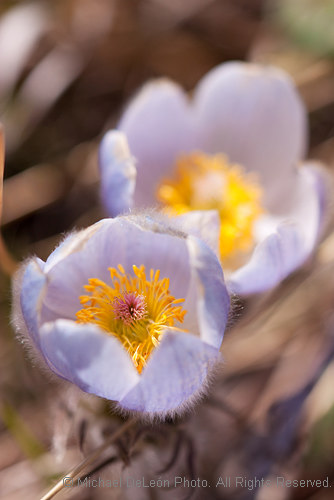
(92, 306)
(254, 116)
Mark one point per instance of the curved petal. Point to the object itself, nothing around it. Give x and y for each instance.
(32, 291)
(89, 358)
(174, 375)
(65, 282)
(310, 202)
(72, 243)
(204, 224)
(118, 173)
(272, 260)
(254, 115)
(212, 298)
(286, 241)
(321, 184)
(158, 126)
(307, 209)
(126, 241)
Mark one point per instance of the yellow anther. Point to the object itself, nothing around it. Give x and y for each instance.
(133, 309)
(204, 182)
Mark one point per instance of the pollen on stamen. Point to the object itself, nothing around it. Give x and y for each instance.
(133, 308)
(204, 182)
(129, 307)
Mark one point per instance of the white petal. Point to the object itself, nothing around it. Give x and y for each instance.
(212, 299)
(158, 126)
(91, 359)
(255, 116)
(72, 243)
(287, 240)
(67, 272)
(309, 205)
(272, 260)
(205, 224)
(118, 173)
(117, 241)
(32, 291)
(175, 374)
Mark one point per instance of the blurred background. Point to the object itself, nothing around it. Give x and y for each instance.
(67, 69)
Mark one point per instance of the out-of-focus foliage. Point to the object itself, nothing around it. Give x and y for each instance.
(309, 23)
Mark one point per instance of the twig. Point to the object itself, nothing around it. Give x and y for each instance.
(7, 263)
(229, 410)
(88, 460)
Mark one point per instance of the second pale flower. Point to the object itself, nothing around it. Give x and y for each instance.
(234, 148)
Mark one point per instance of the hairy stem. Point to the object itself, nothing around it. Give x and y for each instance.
(69, 476)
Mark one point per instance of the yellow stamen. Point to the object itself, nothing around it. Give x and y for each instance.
(204, 182)
(133, 309)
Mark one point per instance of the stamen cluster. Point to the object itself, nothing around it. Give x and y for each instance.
(133, 308)
(203, 182)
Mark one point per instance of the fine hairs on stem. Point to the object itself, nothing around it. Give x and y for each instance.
(88, 460)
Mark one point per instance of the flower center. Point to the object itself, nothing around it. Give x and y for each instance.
(203, 182)
(134, 309)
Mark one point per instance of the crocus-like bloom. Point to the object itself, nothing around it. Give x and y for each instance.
(128, 309)
(235, 147)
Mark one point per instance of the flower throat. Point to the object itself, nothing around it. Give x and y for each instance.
(203, 182)
(134, 309)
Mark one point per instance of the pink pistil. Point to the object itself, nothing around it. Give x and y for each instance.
(129, 307)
